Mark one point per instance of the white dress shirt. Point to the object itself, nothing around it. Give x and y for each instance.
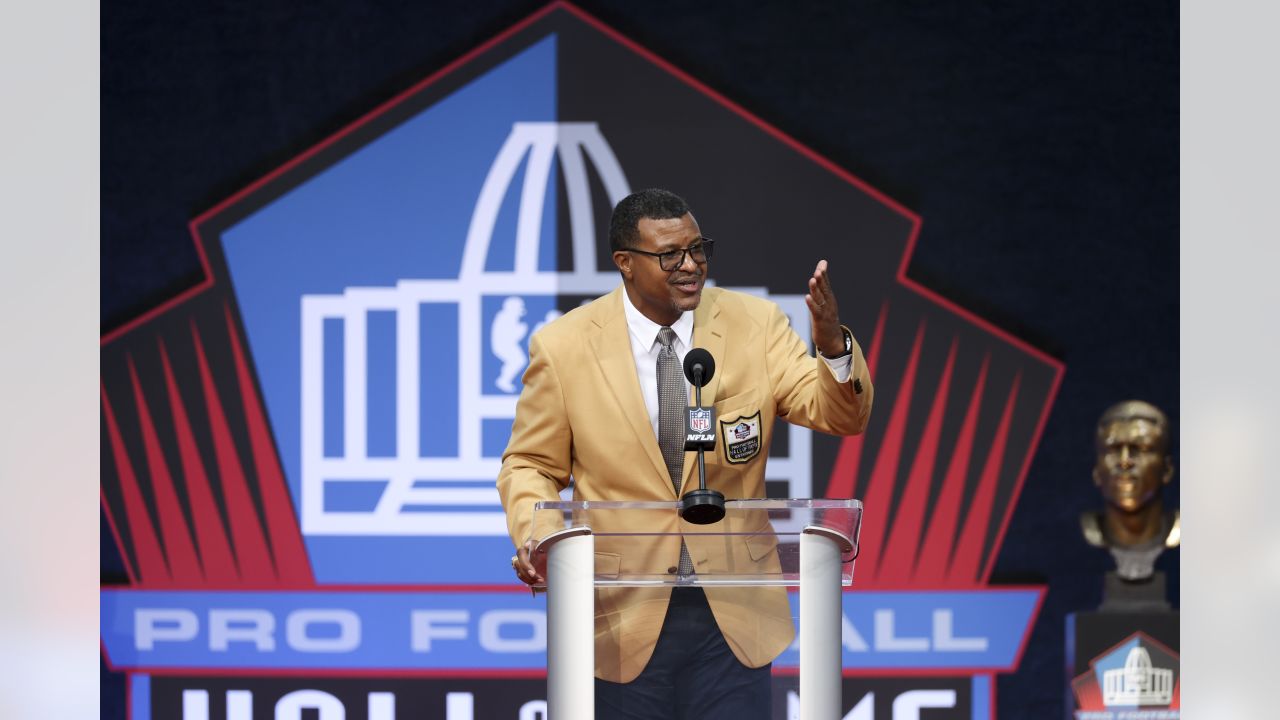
(645, 348)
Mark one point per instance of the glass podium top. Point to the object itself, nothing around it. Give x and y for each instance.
(757, 543)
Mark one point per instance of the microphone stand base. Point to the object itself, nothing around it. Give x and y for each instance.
(702, 507)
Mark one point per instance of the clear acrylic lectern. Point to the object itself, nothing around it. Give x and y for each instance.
(583, 545)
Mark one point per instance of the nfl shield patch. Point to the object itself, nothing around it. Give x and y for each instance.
(699, 420)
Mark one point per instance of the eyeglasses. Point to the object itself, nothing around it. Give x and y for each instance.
(673, 259)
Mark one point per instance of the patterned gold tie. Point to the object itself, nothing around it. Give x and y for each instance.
(673, 403)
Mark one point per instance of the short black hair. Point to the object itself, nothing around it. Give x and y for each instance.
(654, 203)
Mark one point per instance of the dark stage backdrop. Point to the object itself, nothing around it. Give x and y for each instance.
(1037, 145)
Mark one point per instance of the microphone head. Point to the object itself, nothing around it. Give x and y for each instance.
(699, 357)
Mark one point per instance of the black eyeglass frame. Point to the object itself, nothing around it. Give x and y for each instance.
(705, 244)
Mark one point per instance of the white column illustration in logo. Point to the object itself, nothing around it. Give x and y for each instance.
(420, 493)
(1138, 683)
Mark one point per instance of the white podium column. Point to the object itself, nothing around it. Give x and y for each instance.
(820, 666)
(571, 650)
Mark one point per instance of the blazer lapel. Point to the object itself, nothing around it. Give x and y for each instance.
(709, 332)
(612, 346)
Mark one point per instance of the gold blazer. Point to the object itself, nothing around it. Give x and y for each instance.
(582, 415)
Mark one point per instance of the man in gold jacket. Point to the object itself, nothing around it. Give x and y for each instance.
(590, 411)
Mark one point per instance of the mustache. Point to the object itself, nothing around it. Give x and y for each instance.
(685, 278)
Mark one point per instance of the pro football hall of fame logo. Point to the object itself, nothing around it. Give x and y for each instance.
(299, 453)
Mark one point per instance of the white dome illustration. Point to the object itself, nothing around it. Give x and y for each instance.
(1138, 682)
(456, 496)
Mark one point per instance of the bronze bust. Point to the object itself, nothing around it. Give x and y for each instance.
(1133, 466)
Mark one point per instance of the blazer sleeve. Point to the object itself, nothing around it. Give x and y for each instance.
(538, 460)
(805, 389)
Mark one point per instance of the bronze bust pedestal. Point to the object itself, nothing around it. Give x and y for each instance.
(1134, 634)
(1132, 467)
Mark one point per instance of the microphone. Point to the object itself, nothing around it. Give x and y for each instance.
(699, 367)
(699, 425)
(701, 506)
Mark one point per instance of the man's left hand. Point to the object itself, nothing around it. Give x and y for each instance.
(824, 313)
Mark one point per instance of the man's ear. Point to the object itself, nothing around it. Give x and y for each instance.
(1168, 469)
(1097, 479)
(622, 260)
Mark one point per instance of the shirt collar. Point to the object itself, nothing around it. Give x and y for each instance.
(645, 331)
